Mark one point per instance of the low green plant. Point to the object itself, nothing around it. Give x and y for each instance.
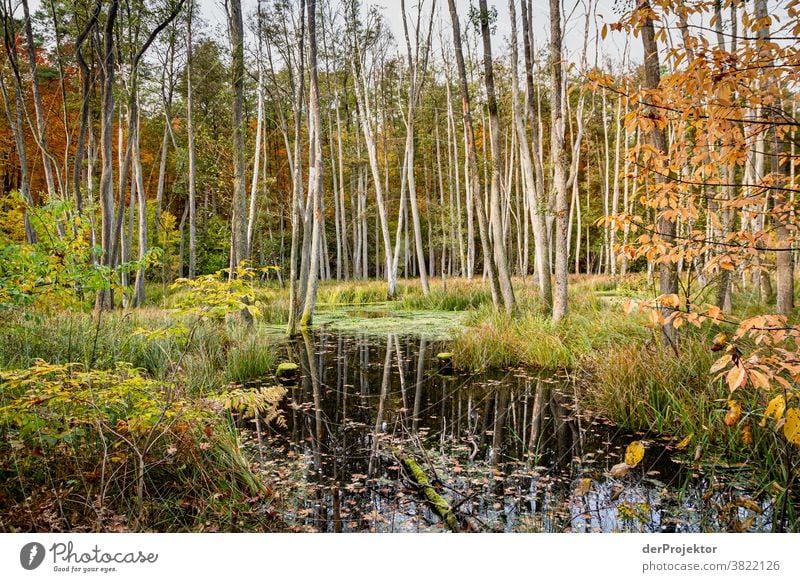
(109, 445)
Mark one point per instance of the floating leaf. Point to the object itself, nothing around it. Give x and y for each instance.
(634, 453)
(685, 442)
(619, 470)
(791, 428)
(775, 409)
(749, 504)
(734, 413)
(584, 486)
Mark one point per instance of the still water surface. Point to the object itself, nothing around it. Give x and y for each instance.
(511, 451)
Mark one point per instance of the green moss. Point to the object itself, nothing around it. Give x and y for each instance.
(385, 318)
(286, 369)
(439, 504)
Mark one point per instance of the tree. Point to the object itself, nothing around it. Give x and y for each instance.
(190, 136)
(239, 212)
(472, 155)
(559, 159)
(498, 236)
(665, 224)
(417, 75)
(315, 167)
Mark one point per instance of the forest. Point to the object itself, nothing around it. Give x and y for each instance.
(432, 265)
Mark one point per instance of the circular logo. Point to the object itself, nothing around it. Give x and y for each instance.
(31, 555)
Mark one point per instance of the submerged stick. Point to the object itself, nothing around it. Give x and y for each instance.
(438, 502)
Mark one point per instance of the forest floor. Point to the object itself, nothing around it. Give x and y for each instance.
(90, 442)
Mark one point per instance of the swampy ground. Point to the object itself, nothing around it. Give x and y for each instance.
(156, 419)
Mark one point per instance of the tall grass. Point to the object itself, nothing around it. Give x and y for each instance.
(529, 338)
(217, 354)
(646, 386)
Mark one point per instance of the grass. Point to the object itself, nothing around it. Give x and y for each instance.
(624, 373)
(529, 338)
(196, 477)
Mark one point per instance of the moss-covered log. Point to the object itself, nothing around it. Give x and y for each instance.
(445, 360)
(439, 504)
(287, 372)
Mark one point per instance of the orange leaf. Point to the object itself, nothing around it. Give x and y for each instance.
(735, 377)
(734, 413)
(759, 379)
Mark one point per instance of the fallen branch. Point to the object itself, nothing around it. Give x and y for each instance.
(439, 504)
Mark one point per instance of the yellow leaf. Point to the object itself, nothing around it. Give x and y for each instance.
(719, 342)
(775, 409)
(634, 453)
(791, 429)
(734, 413)
(584, 485)
(685, 442)
(619, 470)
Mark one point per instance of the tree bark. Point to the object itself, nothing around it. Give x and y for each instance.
(190, 136)
(314, 169)
(239, 220)
(106, 152)
(559, 160)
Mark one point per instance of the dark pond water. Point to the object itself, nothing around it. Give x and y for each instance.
(510, 452)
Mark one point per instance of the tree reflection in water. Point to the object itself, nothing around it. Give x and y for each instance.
(508, 451)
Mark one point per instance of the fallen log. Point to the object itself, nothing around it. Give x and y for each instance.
(439, 504)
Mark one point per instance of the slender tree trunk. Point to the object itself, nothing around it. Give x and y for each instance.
(80, 145)
(239, 220)
(665, 227)
(529, 176)
(559, 159)
(315, 167)
(106, 151)
(251, 216)
(190, 136)
(15, 123)
(298, 86)
(413, 91)
(365, 114)
(49, 167)
(498, 241)
(782, 207)
(538, 206)
(474, 178)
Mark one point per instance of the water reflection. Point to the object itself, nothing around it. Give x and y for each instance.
(510, 452)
